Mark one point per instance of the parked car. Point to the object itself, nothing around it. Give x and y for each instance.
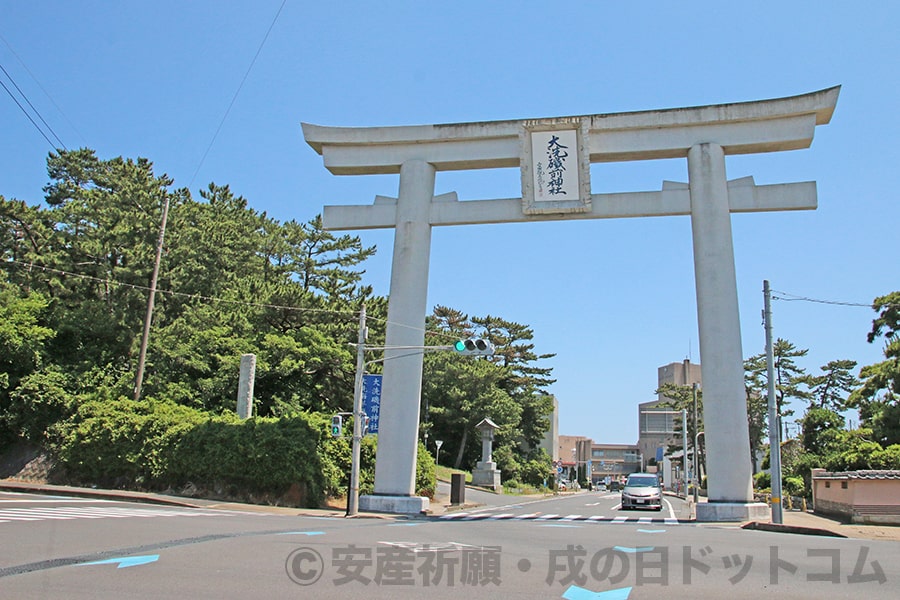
(642, 490)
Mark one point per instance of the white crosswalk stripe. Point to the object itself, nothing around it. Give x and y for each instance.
(486, 515)
(8, 515)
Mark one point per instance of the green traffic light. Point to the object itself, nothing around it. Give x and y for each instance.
(459, 346)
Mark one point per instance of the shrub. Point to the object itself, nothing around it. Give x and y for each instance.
(114, 442)
(159, 445)
(792, 486)
(537, 470)
(263, 455)
(39, 401)
(426, 472)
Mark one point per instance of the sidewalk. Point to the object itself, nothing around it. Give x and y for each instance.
(810, 523)
(24, 487)
(796, 521)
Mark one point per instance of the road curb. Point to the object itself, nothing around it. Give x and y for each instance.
(780, 528)
(32, 488)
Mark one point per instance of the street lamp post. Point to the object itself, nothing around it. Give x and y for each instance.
(696, 453)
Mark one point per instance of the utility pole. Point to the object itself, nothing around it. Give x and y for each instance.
(139, 378)
(774, 429)
(684, 454)
(696, 451)
(358, 417)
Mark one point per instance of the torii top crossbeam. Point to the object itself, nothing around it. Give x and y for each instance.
(740, 128)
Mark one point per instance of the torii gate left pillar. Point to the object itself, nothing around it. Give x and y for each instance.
(702, 135)
(399, 420)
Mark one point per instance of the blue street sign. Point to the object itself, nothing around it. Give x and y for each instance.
(372, 400)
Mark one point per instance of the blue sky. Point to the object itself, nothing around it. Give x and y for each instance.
(613, 299)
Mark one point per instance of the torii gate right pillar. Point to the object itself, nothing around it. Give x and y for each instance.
(724, 401)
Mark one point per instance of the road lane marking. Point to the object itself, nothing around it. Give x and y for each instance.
(124, 562)
(53, 501)
(671, 510)
(97, 512)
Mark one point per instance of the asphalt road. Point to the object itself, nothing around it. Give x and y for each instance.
(562, 547)
(591, 506)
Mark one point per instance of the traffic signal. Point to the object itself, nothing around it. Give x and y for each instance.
(337, 425)
(473, 347)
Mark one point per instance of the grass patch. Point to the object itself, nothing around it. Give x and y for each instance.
(444, 473)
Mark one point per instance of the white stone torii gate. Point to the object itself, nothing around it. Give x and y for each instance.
(704, 135)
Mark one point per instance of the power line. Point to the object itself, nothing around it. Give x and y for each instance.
(238, 91)
(38, 83)
(107, 281)
(36, 111)
(174, 293)
(794, 298)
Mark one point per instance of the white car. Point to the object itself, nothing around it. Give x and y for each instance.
(642, 490)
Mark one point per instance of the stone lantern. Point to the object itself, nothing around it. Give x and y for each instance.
(486, 473)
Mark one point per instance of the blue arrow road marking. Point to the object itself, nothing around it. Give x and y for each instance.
(126, 561)
(633, 550)
(576, 593)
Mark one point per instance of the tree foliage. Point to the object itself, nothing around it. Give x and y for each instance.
(878, 397)
(507, 388)
(73, 299)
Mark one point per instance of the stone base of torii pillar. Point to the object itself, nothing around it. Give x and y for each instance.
(733, 511)
(403, 505)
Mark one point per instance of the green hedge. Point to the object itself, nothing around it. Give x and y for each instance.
(159, 445)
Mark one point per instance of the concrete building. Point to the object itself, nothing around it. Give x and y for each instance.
(567, 453)
(656, 423)
(612, 462)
